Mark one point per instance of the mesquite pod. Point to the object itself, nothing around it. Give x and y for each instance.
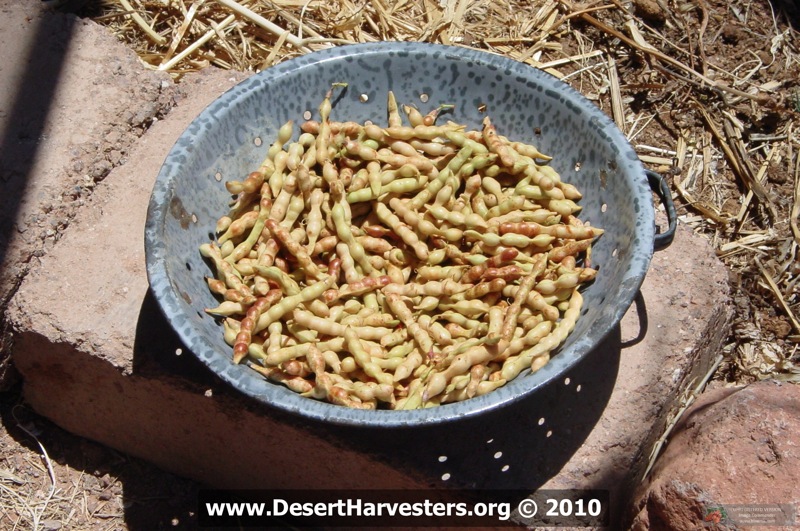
(427, 273)
(420, 335)
(510, 239)
(287, 304)
(294, 248)
(510, 320)
(470, 221)
(402, 230)
(532, 229)
(359, 287)
(423, 132)
(461, 364)
(531, 357)
(415, 118)
(433, 288)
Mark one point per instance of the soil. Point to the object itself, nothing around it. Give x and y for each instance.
(54, 480)
(96, 488)
(749, 45)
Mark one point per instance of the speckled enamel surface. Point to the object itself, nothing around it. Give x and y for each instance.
(524, 103)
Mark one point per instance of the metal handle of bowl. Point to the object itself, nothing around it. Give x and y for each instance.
(660, 187)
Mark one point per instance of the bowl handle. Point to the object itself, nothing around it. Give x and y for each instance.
(660, 187)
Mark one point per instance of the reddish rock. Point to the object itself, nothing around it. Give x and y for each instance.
(733, 447)
(63, 118)
(66, 85)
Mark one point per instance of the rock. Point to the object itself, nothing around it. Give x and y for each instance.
(50, 525)
(52, 129)
(733, 447)
(650, 11)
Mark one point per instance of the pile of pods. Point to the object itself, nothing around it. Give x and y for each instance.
(400, 266)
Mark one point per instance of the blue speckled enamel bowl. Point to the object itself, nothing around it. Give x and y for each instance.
(230, 138)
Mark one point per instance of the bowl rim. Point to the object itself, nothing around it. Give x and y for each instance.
(282, 399)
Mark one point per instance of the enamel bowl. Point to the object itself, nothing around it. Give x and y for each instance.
(230, 138)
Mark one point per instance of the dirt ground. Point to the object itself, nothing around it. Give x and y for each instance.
(50, 479)
(78, 484)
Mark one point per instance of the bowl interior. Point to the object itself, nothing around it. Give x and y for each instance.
(231, 137)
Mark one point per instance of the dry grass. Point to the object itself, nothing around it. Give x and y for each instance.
(33, 496)
(52, 480)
